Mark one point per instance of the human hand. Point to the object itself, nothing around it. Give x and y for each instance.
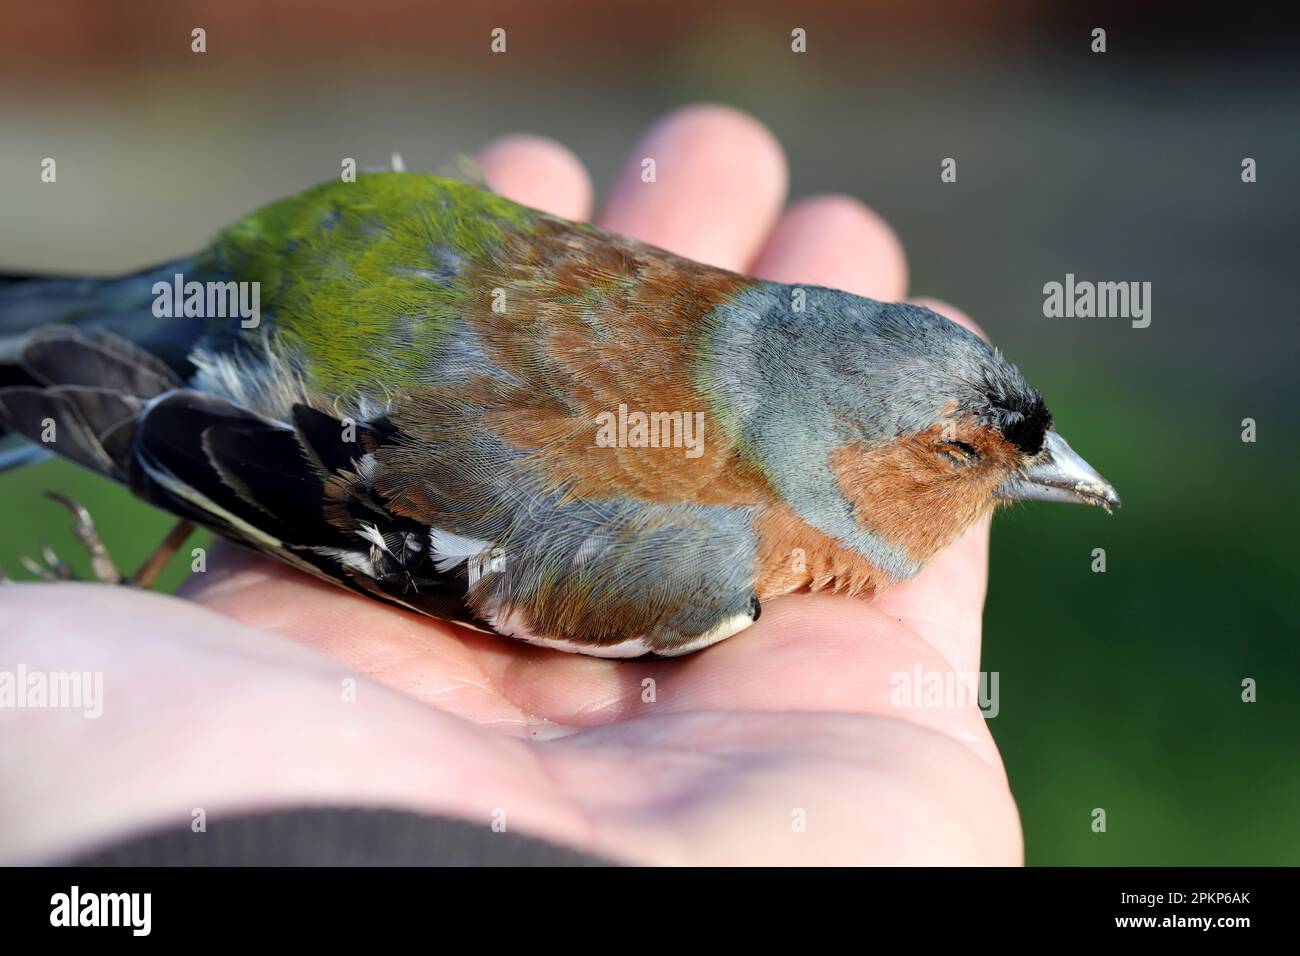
(717, 759)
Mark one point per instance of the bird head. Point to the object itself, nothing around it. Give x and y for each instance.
(885, 425)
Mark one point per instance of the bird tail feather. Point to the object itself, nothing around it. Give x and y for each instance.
(91, 332)
(77, 395)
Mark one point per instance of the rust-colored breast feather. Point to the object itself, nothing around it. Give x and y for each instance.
(917, 500)
(795, 556)
(592, 323)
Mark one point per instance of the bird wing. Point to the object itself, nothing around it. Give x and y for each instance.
(461, 309)
(293, 490)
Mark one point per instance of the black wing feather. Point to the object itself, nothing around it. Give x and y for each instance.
(298, 492)
(301, 486)
(58, 355)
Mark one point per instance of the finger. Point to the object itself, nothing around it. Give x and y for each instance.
(944, 604)
(815, 242)
(838, 242)
(538, 172)
(706, 182)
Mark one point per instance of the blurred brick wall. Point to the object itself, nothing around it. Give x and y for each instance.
(54, 39)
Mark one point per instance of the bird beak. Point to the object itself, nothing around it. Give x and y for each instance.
(1059, 474)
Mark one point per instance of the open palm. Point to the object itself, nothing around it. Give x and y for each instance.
(784, 744)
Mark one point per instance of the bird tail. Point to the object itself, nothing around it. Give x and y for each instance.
(58, 310)
(85, 394)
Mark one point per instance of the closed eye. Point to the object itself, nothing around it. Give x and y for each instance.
(959, 451)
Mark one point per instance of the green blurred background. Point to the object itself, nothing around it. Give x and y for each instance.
(1119, 690)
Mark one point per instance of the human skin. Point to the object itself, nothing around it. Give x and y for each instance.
(778, 746)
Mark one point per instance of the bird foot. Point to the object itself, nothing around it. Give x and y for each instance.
(53, 568)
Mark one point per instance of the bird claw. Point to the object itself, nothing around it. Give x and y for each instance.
(37, 569)
(50, 568)
(53, 568)
(56, 564)
(101, 564)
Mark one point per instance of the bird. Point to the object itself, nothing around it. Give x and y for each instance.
(414, 388)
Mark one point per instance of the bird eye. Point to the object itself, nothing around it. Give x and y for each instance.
(959, 452)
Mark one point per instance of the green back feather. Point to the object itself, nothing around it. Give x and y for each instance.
(355, 276)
